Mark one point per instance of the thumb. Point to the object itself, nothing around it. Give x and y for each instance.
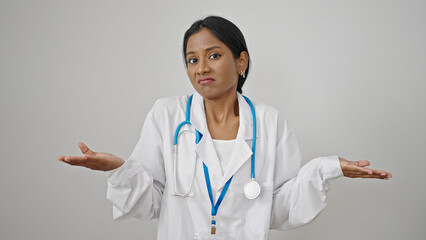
(84, 149)
(363, 163)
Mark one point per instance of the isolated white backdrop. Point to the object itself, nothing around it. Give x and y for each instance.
(349, 75)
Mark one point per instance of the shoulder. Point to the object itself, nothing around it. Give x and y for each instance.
(264, 109)
(267, 111)
(170, 102)
(168, 106)
(270, 116)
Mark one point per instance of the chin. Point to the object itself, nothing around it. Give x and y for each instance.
(208, 93)
(213, 92)
(213, 95)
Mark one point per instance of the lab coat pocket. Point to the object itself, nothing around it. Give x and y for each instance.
(260, 210)
(252, 216)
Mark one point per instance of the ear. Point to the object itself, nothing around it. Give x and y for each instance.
(242, 62)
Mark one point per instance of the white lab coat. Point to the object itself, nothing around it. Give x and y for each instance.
(291, 195)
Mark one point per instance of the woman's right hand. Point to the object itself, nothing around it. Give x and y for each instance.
(93, 160)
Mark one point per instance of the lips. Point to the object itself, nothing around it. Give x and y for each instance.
(205, 80)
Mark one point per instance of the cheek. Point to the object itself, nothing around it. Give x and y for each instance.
(230, 71)
(191, 75)
(229, 67)
(189, 72)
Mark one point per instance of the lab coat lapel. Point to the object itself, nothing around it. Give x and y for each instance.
(240, 154)
(205, 148)
(242, 150)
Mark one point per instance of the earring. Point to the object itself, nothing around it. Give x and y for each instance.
(243, 74)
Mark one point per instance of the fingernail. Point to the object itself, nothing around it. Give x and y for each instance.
(383, 174)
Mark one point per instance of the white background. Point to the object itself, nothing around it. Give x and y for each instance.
(349, 75)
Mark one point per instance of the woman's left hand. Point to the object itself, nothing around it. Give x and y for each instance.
(357, 169)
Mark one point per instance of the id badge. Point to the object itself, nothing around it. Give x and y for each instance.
(209, 236)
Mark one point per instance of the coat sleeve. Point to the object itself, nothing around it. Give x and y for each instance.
(299, 192)
(135, 189)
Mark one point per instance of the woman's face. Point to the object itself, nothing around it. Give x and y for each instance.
(212, 68)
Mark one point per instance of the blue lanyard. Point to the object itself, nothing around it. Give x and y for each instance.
(215, 207)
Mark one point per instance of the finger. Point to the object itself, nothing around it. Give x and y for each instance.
(371, 176)
(383, 173)
(387, 175)
(75, 160)
(352, 169)
(61, 158)
(354, 175)
(363, 163)
(81, 161)
(358, 169)
(84, 149)
(375, 174)
(358, 174)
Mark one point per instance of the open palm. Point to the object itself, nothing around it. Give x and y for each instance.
(93, 160)
(357, 169)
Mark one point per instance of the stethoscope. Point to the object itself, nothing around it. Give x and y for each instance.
(251, 189)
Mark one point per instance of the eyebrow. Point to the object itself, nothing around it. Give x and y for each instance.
(207, 49)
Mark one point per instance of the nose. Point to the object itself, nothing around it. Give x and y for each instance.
(203, 67)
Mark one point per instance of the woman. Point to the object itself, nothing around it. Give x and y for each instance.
(213, 165)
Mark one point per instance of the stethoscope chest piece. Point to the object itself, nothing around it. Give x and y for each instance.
(251, 189)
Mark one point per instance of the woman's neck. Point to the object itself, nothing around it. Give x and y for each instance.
(222, 116)
(220, 110)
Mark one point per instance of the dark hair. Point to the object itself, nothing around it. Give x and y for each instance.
(225, 31)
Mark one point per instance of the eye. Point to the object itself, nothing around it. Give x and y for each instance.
(192, 60)
(214, 56)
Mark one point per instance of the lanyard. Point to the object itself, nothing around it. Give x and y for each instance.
(215, 207)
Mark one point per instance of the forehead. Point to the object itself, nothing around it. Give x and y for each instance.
(203, 39)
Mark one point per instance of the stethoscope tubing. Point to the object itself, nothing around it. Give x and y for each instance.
(253, 157)
(198, 136)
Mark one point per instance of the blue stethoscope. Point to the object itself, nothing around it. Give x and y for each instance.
(251, 189)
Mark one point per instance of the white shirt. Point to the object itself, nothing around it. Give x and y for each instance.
(291, 195)
(223, 150)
